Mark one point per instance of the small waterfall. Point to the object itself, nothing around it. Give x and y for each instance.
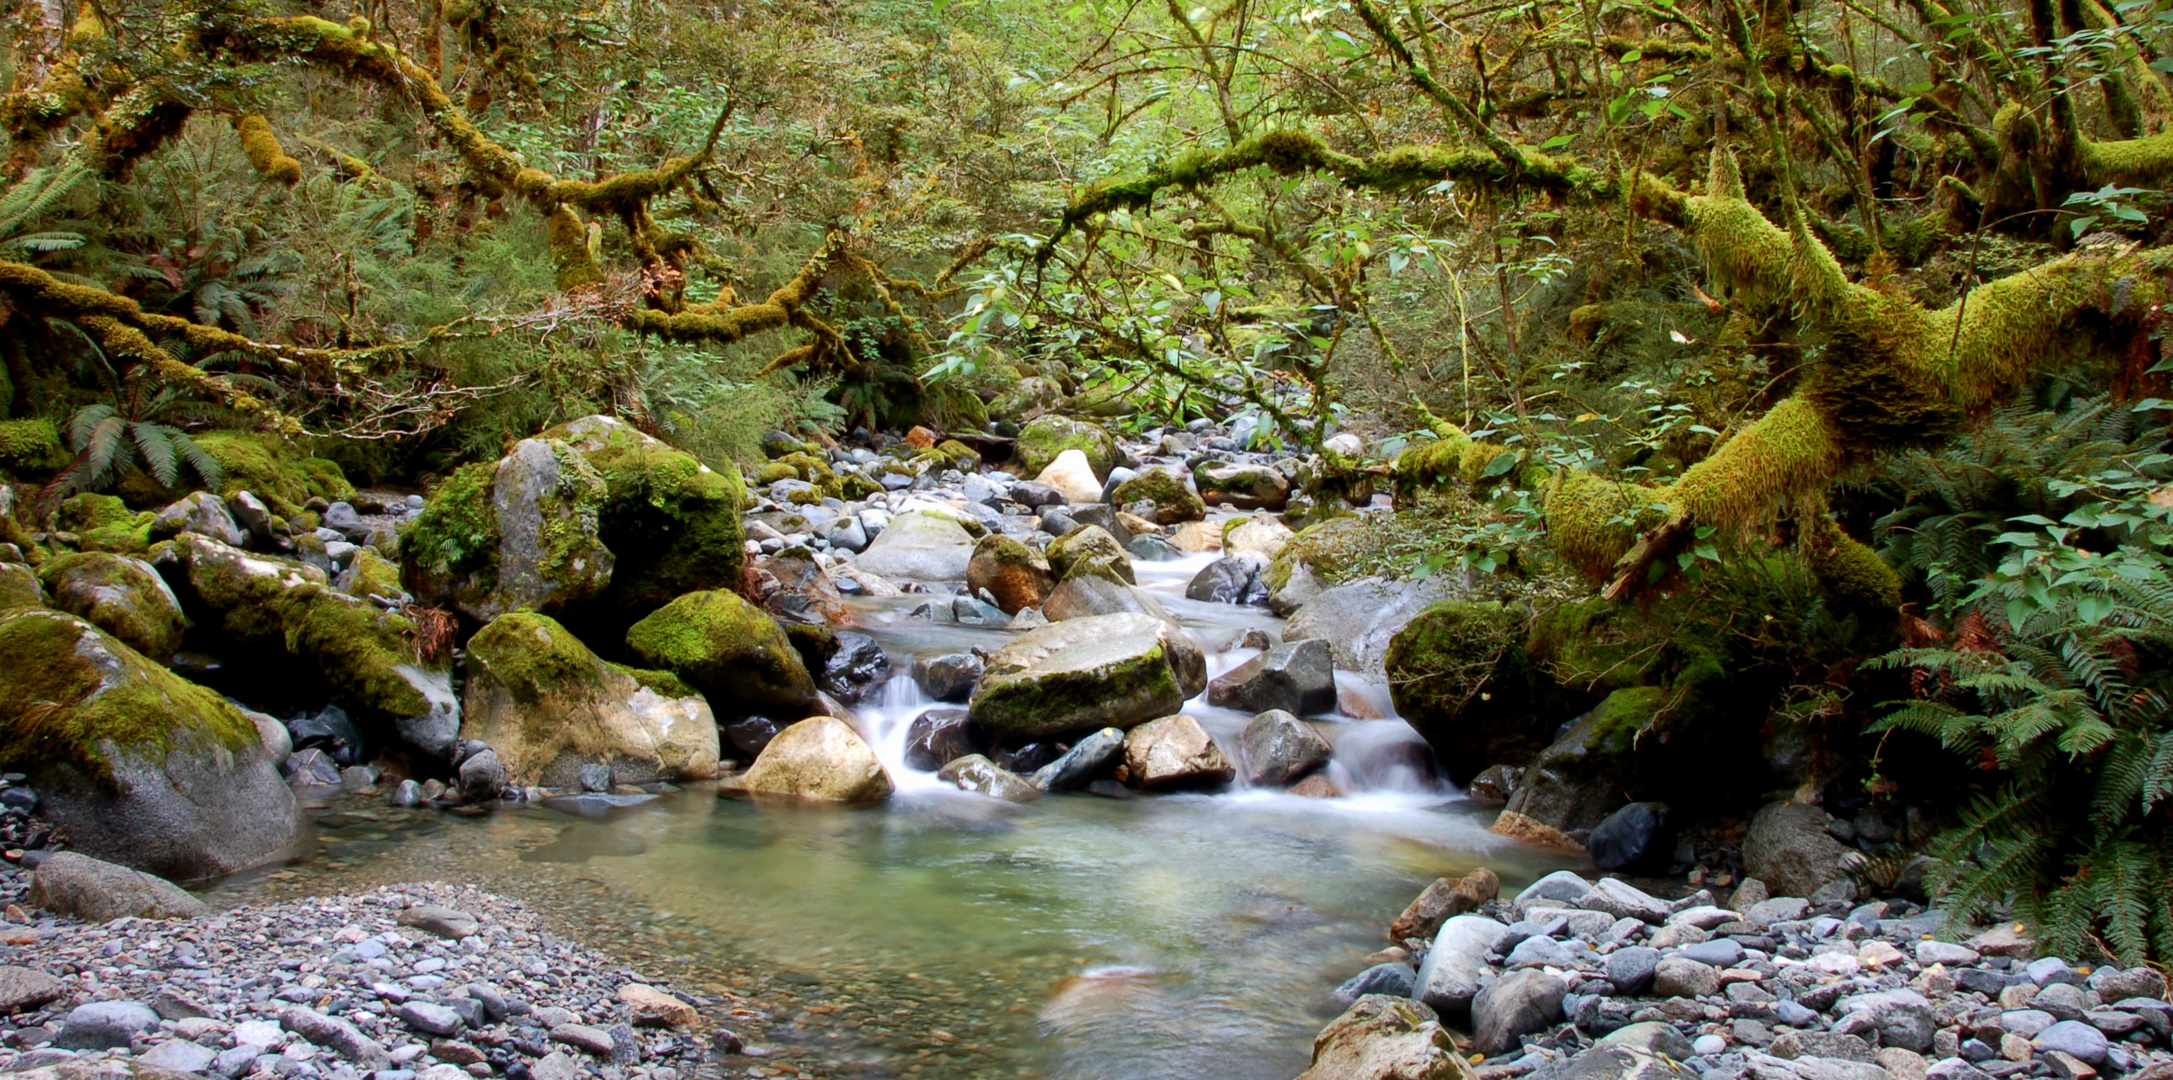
(884, 720)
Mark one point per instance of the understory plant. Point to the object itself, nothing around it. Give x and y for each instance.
(2046, 539)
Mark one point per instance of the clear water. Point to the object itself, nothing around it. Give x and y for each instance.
(948, 935)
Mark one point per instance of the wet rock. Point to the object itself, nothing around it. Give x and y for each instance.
(938, 737)
(1034, 495)
(1279, 748)
(1099, 671)
(1153, 549)
(1790, 850)
(1232, 579)
(1393, 979)
(821, 759)
(655, 1008)
(1174, 752)
(1517, 1004)
(749, 734)
(549, 707)
(105, 1025)
(200, 512)
(1456, 962)
(1087, 595)
(1260, 535)
(1635, 838)
(1494, 785)
(1016, 575)
(1090, 550)
(139, 766)
(1244, 486)
(1088, 760)
(919, 546)
(949, 677)
(980, 775)
(1360, 619)
(857, 665)
(1296, 677)
(1384, 1038)
(123, 596)
(482, 776)
(1173, 500)
(1580, 778)
(1444, 900)
(728, 649)
(1072, 475)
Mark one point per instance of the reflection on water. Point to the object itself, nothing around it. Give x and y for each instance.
(948, 935)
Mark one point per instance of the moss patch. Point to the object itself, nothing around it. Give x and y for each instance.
(730, 650)
(31, 449)
(281, 475)
(1047, 436)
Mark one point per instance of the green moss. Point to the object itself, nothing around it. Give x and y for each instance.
(1089, 550)
(82, 513)
(960, 456)
(1593, 521)
(531, 655)
(1174, 500)
(664, 683)
(1327, 549)
(1790, 453)
(31, 449)
(71, 690)
(729, 649)
(455, 538)
(265, 154)
(1625, 715)
(1047, 436)
(371, 575)
(19, 587)
(357, 649)
(281, 475)
(122, 596)
(775, 471)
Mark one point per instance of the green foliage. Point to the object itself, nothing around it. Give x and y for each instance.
(107, 444)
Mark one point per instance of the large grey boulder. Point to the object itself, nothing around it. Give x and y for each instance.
(919, 546)
(68, 883)
(1789, 849)
(819, 759)
(140, 766)
(106, 1025)
(1092, 672)
(1279, 749)
(547, 500)
(123, 596)
(548, 707)
(200, 512)
(1295, 676)
(1456, 962)
(1385, 1038)
(1086, 595)
(1358, 619)
(1615, 1061)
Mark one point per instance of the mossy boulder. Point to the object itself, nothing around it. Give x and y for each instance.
(1309, 562)
(1174, 501)
(104, 523)
(548, 705)
(1460, 677)
(31, 449)
(139, 765)
(199, 512)
(1083, 674)
(1047, 436)
(1594, 768)
(1016, 575)
(672, 523)
(280, 474)
(1030, 395)
(730, 650)
(523, 533)
(920, 546)
(296, 631)
(1089, 550)
(123, 596)
(370, 575)
(19, 587)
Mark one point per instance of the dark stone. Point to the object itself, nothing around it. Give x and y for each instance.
(1105, 516)
(331, 731)
(749, 734)
(1297, 677)
(1029, 758)
(1032, 493)
(1631, 969)
(1083, 763)
(950, 677)
(1394, 980)
(858, 664)
(938, 737)
(1228, 580)
(1633, 839)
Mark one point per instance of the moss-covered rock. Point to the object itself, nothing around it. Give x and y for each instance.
(124, 597)
(19, 587)
(1047, 436)
(1174, 501)
(281, 475)
(104, 523)
(370, 575)
(521, 534)
(730, 650)
(1592, 770)
(924, 545)
(671, 522)
(31, 449)
(548, 705)
(1100, 671)
(1016, 575)
(139, 765)
(1460, 678)
(1089, 550)
(1243, 485)
(1309, 562)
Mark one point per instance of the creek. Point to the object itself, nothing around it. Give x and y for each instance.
(949, 935)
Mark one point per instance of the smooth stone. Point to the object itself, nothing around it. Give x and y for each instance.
(105, 1025)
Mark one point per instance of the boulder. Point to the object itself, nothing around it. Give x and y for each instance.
(1084, 763)
(855, 664)
(1071, 476)
(1099, 671)
(671, 522)
(139, 765)
(106, 1025)
(1633, 839)
(1789, 849)
(1174, 752)
(548, 706)
(1456, 962)
(728, 649)
(1260, 535)
(19, 587)
(121, 595)
(1242, 485)
(1444, 900)
(938, 737)
(23, 989)
(919, 546)
(1517, 1004)
(1279, 749)
(297, 630)
(1090, 550)
(984, 777)
(1174, 501)
(525, 532)
(1296, 676)
(1360, 619)
(1385, 1038)
(820, 759)
(71, 883)
(948, 677)
(1232, 579)
(1089, 594)
(1016, 575)
(199, 512)
(1614, 1061)
(371, 576)
(1580, 779)
(1309, 563)
(1459, 675)
(1041, 441)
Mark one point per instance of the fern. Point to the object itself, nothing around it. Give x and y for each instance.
(106, 443)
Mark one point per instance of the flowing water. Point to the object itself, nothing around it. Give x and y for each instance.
(949, 935)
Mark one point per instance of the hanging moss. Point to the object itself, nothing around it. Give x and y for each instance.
(570, 248)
